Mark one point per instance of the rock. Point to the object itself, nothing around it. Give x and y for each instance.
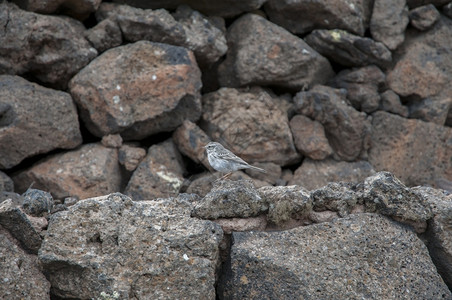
(230, 199)
(363, 86)
(250, 124)
(37, 203)
(89, 171)
(21, 274)
(105, 35)
(13, 219)
(309, 137)
(390, 102)
(190, 140)
(159, 175)
(385, 194)
(111, 141)
(272, 172)
(337, 197)
(365, 251)
(79, 9)
(345, 127)
(287, 205)
(347, 49)
(262, 53)
(416, 152)
(16, 199)
(130, 156)
(431, 109)
(388, 22)
(138, 89)
(146, 250)
(424, 17)
(416, 3)
(302, 16)
(439, 235)
(51, 49)
(421, 69)
(246, 224)
(228, 8)
(447, 10)
(316, 174)
(6, 183)
(34, 120)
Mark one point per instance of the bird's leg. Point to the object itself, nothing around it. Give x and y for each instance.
(224, 177)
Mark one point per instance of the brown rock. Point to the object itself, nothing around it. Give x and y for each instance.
(388, 22)
(130, 156)
(432, 109)
(345, 127)
(262, 53)
(6, 183)
(250, 124)
(21, 274)
(34, 120)
(363, 86)
(190, 140)
(138, 90)
(316, 174)
(92, 170)
(418, 153)
(77, 9)
(242, 224)
(105, 35)
(111, 141)
(390, 102)
(347, 49)
(272, 173)
(50, 48)
(302, 16)
(309, 137)
(416, 3)
(424, 17)
(159, 175)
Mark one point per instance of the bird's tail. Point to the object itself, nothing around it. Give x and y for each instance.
(256, 168)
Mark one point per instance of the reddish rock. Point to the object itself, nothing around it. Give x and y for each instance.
(112, 141)
(34, 120)
(424, 17)
(104, 35)
(363, 86)
(431, 109)
(250, 124)
(159, 175)
(230, 225)
(348, 49)
(262, 53)
(49, 48)
(316, 174)
(302, 16)
(345, 127)
(92, 170)
(389, 21)
(418, 153)
(138, 90)
(309, 137)
(130, 156)
(390, 102)
(77, 9)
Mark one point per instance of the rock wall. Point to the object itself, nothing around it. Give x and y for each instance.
(98, 98)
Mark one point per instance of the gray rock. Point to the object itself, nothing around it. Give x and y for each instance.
(432, 109)
(416, 3)
(361, 256)
(424, 17)
(347, 49)
(37, 203)
(105, 35)
(390, 102)
(143, 250)
(6, 183)
(77, 9)
(34, 120)
(336, 196)
(130, 156)
(262, 53)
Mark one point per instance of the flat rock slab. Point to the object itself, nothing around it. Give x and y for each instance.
(142, 250)
(361, 256)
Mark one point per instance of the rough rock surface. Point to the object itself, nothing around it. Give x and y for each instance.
(250, 123)
(389, 21)
(50, 48)
(34, 120)
(339, 197)
(138, 90)
(104, 35)
(345, 127)
(146, 250)
(424, 17)
(6, 183)
(37, 203)
(366, 254)
(89, 171)
(427, 149)
(159, 175)
(77, 9)
(302, 16)
(262, 53)
(21, 275)
(130, 156)
(431, 109)
(315, 174)
(390, 102)
(347, 49)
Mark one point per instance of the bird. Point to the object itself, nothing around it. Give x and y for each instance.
(223, 160)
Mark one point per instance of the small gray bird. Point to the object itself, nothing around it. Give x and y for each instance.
(223, 160)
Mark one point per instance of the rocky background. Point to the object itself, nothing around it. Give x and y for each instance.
(116, 100)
